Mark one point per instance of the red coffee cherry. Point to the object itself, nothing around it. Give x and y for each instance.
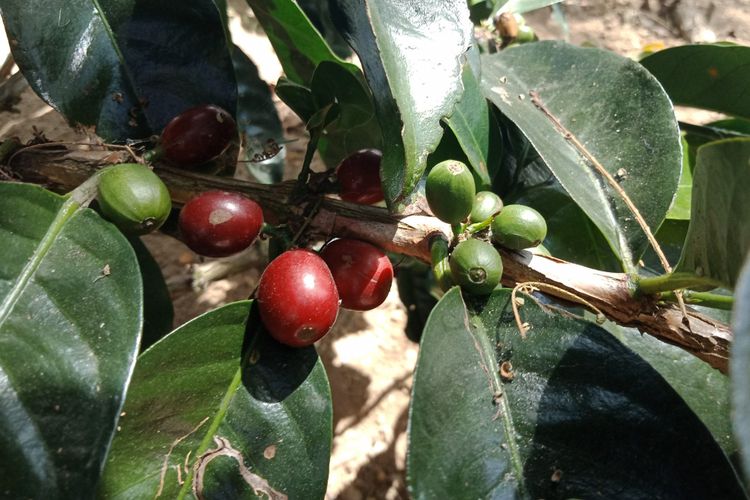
(219, 223)
(198, 135)
(362, 272)
(297, 298)
(359, 177)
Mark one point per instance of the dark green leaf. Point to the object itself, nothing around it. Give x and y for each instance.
(298, 97)
(70, 319)
(709, 76)
(188, 409)
(271, 371)
(567, 416)
(298, 45)
(718, 239)
(319, 14)
(740, 367)
(415, 282)
(470, 122)
(615, 109)
(704, 389)
(126, 66)
(158, 312)
(412, 55)
(334, 83)
(257, 120)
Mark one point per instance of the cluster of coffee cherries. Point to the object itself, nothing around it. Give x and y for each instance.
(479, 221)
(300, 291)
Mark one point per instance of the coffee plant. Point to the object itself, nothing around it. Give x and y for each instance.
(599, 364)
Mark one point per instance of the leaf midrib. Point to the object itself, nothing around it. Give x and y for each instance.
(66, 211)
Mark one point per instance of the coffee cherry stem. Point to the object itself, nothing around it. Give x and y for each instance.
(304, 175)
(281, 233)
(153, 155)
(457, 229)
(479, 226)
(439, 252)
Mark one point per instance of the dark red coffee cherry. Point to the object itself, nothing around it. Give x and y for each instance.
(198, 135)
(362, 272)
(297, 298)
(359, 177)
(219, 223)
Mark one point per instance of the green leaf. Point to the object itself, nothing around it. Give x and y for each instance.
(298, 97)
(718, 239)
(470, 122)
(257, 120)
(569, 419)
(158, 312)
(333, 83)
(298, 45)
(705, 390)
(126, 67)
(188, 409)
(415, 281)
(740, 366)
(412, 53)
(271, 371)
(709, 76)
(618, 112)
(70, 319)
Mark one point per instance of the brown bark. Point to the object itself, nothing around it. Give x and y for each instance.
(62, 170)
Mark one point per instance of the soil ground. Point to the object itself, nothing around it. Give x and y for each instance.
(368, 358)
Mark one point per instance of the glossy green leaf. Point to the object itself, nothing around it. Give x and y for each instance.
(258, 121)
(709, 76)
(158, 312)
(70, 320)
(470, 123)
(188, 410)
(334, 83)
(718, 239)
(298, 45)
(271, 371)
(620, 114)
(125, 66)
(740, 367)
(298, 97)
(566, 416)
(705, 390)
(412, 53)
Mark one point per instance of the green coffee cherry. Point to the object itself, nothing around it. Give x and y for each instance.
(525, 34)
(486, 204)
(476, 266)
(518, 227)
(133, 198)
(450, 191)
